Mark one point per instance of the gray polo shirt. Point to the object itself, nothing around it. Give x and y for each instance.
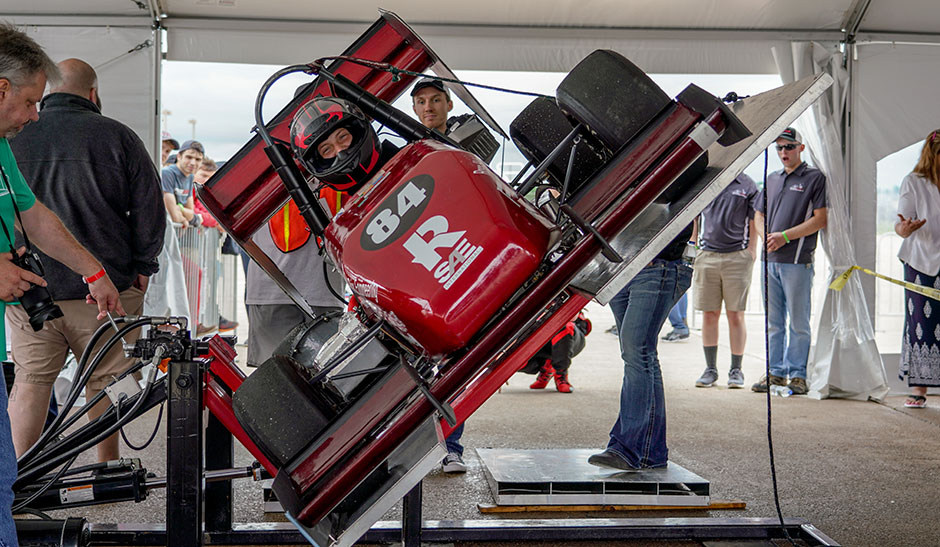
(173, 181)
(723, 224)
(791, 200)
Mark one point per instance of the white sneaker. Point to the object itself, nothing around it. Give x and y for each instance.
(453, 463)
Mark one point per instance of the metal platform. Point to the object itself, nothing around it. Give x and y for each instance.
(563, 477)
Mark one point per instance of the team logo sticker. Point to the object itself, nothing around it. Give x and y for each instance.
(397, 213)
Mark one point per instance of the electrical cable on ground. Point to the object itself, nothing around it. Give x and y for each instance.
(770, 437)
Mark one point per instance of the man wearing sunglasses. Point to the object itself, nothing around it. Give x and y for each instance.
(795, 212)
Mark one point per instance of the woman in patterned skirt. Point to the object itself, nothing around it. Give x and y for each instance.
(919, 225)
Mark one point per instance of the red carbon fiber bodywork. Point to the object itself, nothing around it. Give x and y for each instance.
(436, 244)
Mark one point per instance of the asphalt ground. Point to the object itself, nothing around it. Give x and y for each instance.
(864, 473)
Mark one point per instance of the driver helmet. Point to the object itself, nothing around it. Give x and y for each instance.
(315, 122)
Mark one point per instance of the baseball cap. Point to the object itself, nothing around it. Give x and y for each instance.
(165, 137)
(790, 134)
(429, 82)
(192, 145)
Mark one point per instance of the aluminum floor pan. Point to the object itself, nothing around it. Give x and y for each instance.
(563, 477)
(766, 115)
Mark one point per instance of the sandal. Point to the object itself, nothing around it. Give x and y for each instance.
(915, 401)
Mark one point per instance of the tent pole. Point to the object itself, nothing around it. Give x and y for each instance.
(862, 201)
(156, 140)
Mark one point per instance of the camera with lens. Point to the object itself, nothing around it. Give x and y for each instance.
(36, 302)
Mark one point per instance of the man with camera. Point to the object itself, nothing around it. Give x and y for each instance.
(97, 176)
(24, 67)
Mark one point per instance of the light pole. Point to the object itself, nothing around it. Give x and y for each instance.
(192, 122)
(164, 115)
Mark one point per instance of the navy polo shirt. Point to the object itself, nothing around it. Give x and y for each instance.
(723, 224)
(791, 200)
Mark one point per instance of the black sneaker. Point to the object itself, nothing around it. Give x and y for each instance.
(735, 378)
(609, 458)
(761, 386)
(453, 463)
(676, 336)
(708, 378)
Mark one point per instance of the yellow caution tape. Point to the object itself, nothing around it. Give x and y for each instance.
(839, 282)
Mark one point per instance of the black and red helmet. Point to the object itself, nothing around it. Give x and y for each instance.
(315, 122)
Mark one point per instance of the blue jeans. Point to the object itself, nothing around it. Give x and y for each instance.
(640, 309)
(7, 471)
(678, 314)
(789, 292)
(453, 441)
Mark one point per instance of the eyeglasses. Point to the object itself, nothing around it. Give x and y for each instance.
(786, 147)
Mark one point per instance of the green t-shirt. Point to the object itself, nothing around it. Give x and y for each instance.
(24, 200)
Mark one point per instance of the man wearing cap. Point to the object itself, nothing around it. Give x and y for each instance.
(795, 212)
(431, 103)
(176, 181)
(168, 145)
(97, 176)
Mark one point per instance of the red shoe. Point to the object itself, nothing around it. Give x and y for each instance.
(542, 380)
(561, 382)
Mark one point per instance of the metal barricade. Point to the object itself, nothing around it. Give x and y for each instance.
(200, 252)
(228, 286)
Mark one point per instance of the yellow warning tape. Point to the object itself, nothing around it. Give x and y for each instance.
(840, 282)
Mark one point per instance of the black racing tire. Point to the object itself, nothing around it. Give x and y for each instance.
(538, 129)
(277, 407)
(611, 96)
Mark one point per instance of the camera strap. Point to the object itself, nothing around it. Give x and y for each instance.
(29, 246)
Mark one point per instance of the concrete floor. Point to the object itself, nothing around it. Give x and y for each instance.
(862, 472)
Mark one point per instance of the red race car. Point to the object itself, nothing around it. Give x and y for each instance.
(457, 277)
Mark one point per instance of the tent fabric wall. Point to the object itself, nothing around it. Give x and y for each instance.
(127, 81)
(846, 362)
(544, 51)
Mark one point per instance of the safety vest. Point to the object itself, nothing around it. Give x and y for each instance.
(288, 228)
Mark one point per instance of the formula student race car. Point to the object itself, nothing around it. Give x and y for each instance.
(458, 277)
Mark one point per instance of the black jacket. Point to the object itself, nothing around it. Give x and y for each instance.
(96, 175)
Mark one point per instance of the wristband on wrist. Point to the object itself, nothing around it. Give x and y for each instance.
(785, 238)
(92, 278)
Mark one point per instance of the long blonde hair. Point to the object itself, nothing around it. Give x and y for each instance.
(928, 166)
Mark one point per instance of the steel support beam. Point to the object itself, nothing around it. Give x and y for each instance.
(184, 455)
(449, 531)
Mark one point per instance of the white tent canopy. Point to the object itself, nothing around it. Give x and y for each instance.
(890, 51)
